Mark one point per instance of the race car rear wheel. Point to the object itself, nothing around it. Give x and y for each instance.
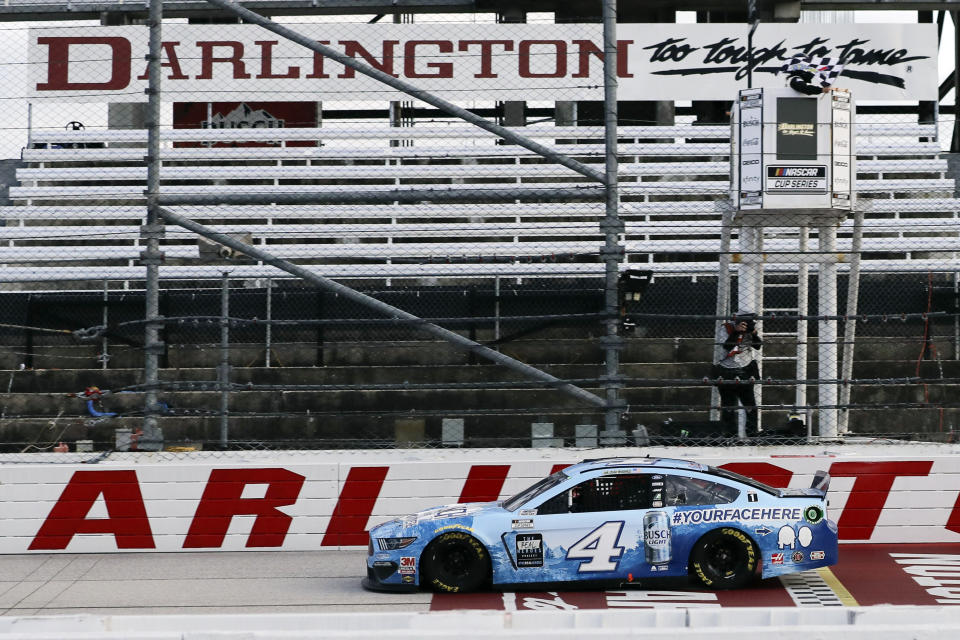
(724, 558)
(455, 561)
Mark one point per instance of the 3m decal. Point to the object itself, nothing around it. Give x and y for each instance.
(600, 547)
(408, 565)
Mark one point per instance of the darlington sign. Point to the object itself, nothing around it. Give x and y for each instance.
(475, 61)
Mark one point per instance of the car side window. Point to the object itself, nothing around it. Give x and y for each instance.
(606, 493)
(680, 490)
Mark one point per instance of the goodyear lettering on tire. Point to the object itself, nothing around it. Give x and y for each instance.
(748, 546)
(444, 586)
(478, 548)
(700, 574)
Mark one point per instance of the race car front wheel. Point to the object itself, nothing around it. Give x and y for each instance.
(724, 558)
(455, 561)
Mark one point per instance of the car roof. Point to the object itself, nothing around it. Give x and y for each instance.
(638, 464)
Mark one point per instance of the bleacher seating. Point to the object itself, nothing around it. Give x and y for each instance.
(80, 202)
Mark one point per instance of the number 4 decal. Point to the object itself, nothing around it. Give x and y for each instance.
(599, 547)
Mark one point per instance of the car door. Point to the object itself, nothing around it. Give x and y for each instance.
(591, 529)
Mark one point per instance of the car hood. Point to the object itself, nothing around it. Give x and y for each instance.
(460, 510)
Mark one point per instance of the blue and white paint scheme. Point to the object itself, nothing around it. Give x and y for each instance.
(617, 519)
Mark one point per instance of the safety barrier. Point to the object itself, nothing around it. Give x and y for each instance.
(216, 501)
(873, 623)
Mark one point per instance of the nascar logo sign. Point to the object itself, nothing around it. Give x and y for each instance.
(797, 179)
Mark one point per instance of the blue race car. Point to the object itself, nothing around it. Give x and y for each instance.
(611, 520)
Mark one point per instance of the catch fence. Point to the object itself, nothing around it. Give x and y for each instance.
(462, 229)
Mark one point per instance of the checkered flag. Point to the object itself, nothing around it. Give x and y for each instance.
(823, 72)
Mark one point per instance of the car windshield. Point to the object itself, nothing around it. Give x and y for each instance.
(756, 484)
(528, 494)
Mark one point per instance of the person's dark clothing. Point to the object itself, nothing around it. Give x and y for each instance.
(739, 364)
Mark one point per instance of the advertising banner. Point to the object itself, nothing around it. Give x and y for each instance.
(464, 62)
(312, 501)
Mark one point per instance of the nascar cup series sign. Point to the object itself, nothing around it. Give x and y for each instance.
(475, 61)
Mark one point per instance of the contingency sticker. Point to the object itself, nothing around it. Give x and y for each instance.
(529, 550)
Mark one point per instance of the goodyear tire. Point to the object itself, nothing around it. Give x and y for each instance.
(455, 561)
(724, 558)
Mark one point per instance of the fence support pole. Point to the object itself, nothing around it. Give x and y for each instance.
(151, 233)
(268, 330)
(803, 333)
(850, 325)
(612, 226)
(722, 308)
(223, 371)
(827, 348)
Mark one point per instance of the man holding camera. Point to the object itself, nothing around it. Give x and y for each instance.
(738, 370)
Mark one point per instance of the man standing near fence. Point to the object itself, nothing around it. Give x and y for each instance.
(737, 371)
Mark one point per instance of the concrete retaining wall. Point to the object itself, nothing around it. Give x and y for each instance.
(214, 501)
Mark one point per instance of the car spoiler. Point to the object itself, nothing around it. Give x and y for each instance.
(818, 488)
(821, 481)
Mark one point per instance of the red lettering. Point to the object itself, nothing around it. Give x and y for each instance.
(443, 69)
(870, 491)
(222, 500)
(486, 54)
(353, 48)
(587, 48)
(560, 66)
(349, 522)
(763, 472)
(266, 61)
(235, 58)
(953, 522)
(172, 61)
(58, 65)
(484, 482)
(318, 64)
(127, 519)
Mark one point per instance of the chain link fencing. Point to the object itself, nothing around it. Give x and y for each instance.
(463, 230)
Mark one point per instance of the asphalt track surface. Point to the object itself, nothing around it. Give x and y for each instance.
(329, 581)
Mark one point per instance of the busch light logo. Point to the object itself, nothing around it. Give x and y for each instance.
(656, 537)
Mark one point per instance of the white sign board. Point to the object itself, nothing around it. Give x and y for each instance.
(463, 62)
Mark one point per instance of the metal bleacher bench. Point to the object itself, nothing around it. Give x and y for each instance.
(80, 201)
